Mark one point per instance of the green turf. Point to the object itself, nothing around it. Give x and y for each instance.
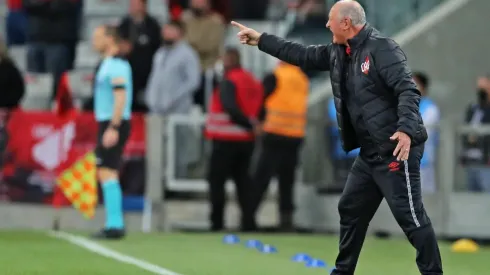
(30, 253)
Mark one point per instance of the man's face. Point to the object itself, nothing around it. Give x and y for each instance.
(338, 26)
(200, 4)
(137, 7)
(484, 83)
(99, 39)
(170, 33)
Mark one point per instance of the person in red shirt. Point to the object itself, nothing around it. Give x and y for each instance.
(231, 126)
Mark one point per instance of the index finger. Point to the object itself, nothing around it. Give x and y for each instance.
(238, 25)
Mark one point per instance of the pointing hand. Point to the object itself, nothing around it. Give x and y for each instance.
(247, 35)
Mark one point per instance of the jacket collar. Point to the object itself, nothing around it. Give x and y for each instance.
(359, 39)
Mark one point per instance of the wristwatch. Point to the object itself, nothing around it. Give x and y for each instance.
(114, 126)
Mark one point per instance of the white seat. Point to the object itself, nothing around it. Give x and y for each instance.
(81, 82)
(86, 58)
(92, 22)
(106, 7)
(19, 55)
(39, 88)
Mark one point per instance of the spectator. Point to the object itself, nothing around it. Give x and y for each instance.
(249, 9)
(431, 117)
(173, 79)
(232, 126)
(142, 34)
(72, 46)
(205, 33)
(52, 27)
(15, 23)
(11, 81)
(283, 117)
(477, 149)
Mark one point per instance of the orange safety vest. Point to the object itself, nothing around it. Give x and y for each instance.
(249, 95)
(286, 107)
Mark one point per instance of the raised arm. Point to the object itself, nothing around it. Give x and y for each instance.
(306, 57)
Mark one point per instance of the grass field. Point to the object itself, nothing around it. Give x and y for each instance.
(38, 253)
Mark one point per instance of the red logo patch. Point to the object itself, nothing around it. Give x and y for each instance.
(394, 166)
(365, 66)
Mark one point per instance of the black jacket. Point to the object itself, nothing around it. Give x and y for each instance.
(146, 40)
(388, 95)
(52, 21)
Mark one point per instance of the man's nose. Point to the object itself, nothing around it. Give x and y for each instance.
(328, 25)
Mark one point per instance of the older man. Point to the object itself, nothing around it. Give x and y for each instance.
(377, 104)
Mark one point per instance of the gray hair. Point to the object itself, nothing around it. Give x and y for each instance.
(355, 12)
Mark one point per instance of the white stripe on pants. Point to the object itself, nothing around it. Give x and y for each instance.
(409, 189)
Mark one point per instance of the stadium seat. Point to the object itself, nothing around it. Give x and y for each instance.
(106, 7)
(80, 83)
(86, 58)
(19, 55)
(39, 88)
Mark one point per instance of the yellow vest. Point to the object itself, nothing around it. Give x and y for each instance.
(286, 107)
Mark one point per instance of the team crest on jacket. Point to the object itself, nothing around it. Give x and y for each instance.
(365, 66)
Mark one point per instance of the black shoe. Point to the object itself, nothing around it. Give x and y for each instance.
(110, 234)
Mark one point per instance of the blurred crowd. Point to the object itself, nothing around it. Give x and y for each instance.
(178, 63)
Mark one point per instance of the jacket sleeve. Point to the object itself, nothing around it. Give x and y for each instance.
(269, 84)
(305, 57)
(391, 64)
(228, 99)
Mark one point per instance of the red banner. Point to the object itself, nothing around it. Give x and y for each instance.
(39, 145)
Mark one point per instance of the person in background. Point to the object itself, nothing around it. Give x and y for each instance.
(341, 161)
(52, 26)
(141, 33)
(205, 33)
(232, 126)
(476, 150)
(15, 23)
(72, 45)
(431, 117)
(284, 122)
(11, 81)
(174, 77)
(112, 108)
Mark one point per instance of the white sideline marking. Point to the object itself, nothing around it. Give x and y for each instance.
(109, 253)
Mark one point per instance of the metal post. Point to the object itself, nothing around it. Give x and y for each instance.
(154, 191)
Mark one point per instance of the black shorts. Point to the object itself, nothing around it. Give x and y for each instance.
(111, 157)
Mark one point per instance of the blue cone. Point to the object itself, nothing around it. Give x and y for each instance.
(315, 263)
(253, 244)
(231, 239)
(301, 258)
(268, 249)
